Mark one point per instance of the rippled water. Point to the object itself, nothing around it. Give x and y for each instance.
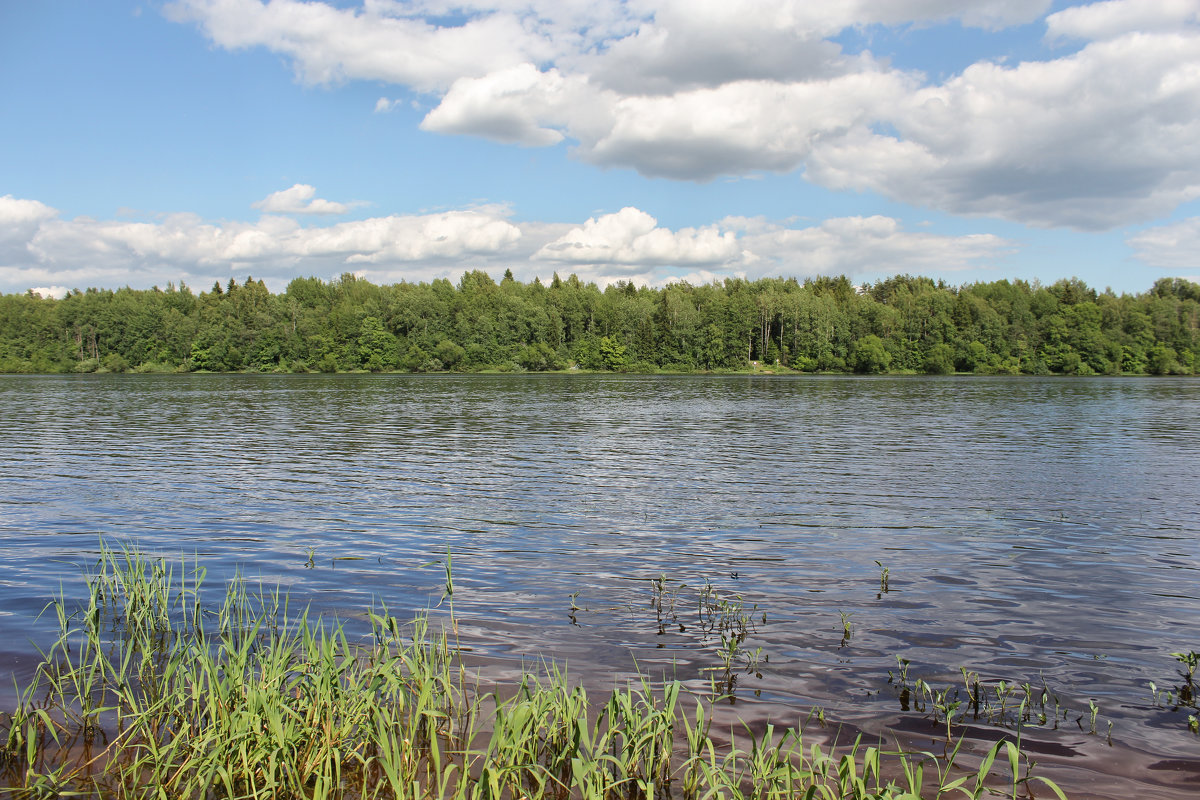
(1033, 529)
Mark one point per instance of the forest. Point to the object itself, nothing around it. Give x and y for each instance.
(903, 324)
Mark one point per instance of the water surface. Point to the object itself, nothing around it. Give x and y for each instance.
(1039, 530)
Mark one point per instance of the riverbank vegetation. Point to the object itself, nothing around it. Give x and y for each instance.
(903, 324)
(156, 688)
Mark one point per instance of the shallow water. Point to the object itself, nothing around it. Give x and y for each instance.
(1041, 530)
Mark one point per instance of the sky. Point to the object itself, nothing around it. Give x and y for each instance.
(148, 143)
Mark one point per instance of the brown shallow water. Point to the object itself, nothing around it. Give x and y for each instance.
(1040, 530)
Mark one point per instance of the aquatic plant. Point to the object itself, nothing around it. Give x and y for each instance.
(1002, 703)
(847, 630)
(723, 622)
(1189, 660)
(1184, 696)
(884, 572)
(151, 691)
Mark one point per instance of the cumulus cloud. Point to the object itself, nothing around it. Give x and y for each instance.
(1114, 18)
(15, 211)
(276, 240)
(511, 106)
(630, 241)
(697, 134)
(687, 44)
(411, 43)
(299, 199)
(88, 252)
(735, 128)
(19, 219)
(630, 246)
(692, 90)
(329, 44)
(632, 238)
(1106, 136)
(1175, 246)
(857, 245)
(625, 245)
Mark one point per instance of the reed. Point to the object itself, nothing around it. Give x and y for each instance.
(151, 691)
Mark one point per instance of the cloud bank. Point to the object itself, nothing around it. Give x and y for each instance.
(1101, 137)
(43, 251)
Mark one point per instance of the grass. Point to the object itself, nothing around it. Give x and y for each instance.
(152, 692)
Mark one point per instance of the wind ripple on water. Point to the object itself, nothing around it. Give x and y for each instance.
(1032, 528)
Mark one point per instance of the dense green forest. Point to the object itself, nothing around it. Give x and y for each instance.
(903, 324)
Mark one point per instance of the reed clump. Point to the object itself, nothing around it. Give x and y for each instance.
(152, 692)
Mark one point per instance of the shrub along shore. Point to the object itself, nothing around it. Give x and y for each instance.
(153, 691)
(904, 324)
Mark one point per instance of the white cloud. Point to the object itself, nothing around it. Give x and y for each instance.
(632, 238)
(626, 245)
(19, 219)
(629, 245)
(686, 44)
(15, 211)
(1175, 246)
(510, 106)
(707, 43)
(692, 90)
(1094, 140)
(57, 292)
(299, 199)
(377, 42)
(1114, 18)
(695, 134)
(712, 41)
(735, 128)
(856, 245)
(89, 252)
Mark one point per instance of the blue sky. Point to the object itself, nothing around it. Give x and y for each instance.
(646, 140)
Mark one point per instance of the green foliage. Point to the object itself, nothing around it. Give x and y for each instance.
(868, 355)
(449, 353)
(613, 355)
(939, 360)
(377, 348)
(115, 362)
(538, 357)
(902, 324)
(153, 692)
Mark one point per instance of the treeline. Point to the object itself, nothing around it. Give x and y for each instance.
(903, 324)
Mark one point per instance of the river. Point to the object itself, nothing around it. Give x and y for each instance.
(1042, 530)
